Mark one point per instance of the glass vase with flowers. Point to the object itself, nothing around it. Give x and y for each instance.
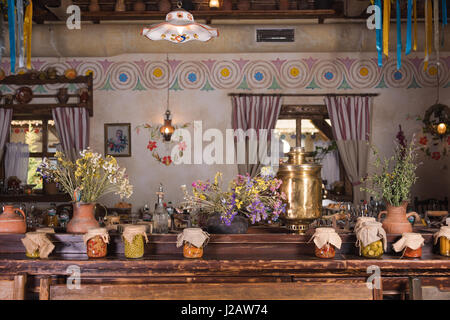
(86, 180)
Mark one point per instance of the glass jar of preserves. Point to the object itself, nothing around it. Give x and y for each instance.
(443, 235)
(96, 241)
(371, 239)
(326, 240)
(411, 245)
(191, 251)
(193, 241)
(133, 239)
(37, 245)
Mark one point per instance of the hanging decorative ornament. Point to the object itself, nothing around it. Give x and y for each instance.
(379, 34)
(179, 28)
(399, 35)
(19, 33)
(409, 28)
(12, 34)
(386, 23)
(415, 24)
(27, 28)
(428, 32)
(2, 31)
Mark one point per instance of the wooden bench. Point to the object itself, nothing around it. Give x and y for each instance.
(210, 291)
(13, 289)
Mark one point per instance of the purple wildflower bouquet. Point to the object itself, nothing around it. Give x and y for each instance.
(258, 198)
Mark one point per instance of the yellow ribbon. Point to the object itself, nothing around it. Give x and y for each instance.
(428, 32)
(27, 28)
(386, 22)
(415, 25)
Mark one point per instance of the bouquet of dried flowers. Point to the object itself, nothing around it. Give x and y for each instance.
(89, 177)
(258, 198)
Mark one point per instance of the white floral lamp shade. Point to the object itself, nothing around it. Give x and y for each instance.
(180, 27)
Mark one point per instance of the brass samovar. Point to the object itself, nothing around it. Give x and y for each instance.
(302, 184)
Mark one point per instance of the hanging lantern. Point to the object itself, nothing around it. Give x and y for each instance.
(180, 27)
(167, 129)
(439, 126)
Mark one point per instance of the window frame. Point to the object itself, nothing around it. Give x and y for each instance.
(317, 114)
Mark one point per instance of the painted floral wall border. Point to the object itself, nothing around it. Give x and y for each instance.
(241, 73)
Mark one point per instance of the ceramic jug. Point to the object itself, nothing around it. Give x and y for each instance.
(10, 222)
(396, 220)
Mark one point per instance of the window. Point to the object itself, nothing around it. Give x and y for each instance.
(41, 138)
(308, 126)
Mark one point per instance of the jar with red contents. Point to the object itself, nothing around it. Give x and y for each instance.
(411, 245)
(193, 240)
(96, 241)
(326, 241)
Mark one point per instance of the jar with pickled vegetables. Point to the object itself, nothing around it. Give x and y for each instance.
(411, 245)
(443, 235)
(96, 241)
(371, 239)
(193, 241)
(133, 238)
(326, 240)
(37, 245)
(373, 250)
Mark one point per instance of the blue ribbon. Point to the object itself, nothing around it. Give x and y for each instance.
(379, 32)
(12, 35)
(444, 13)
(408, 29)
(399, 37)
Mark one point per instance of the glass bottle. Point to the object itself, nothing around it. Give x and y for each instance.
(160, 217)
(52, 218)
(146, 214)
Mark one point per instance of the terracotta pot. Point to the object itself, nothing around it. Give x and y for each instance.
(93, 6)
(83, 218)
(227, 5)
(243, 5)
(62, 95)
(164, 5)
(139, 6)
(396, 220)
(283, 5)
(10, 222)
(120, 6)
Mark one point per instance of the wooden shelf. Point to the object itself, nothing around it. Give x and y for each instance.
(211, 14)
(44, 109)
(62, 197)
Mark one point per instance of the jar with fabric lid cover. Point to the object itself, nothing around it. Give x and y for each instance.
(371, 240)
(37, 245)
(326, 240)
(96, 241)
(443, 235)
(133, 239)
(193, 241)
(411, 245)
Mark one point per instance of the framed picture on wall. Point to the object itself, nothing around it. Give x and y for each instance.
(118, 139)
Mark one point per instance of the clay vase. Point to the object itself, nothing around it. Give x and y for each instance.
(93, 6)
(139, 6)
(120, 6)
(83, 218)
(84, 95)
(243, 5)
(63, 95)
(396, 220)
(10, 222)
(164, 5)
(283, 5)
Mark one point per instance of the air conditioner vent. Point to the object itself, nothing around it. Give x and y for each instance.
(275, 35)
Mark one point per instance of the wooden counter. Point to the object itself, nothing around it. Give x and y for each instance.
(250, 258)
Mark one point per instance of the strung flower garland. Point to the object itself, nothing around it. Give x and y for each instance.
(156, 142)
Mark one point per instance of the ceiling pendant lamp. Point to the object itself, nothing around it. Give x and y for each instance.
(180, 27)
